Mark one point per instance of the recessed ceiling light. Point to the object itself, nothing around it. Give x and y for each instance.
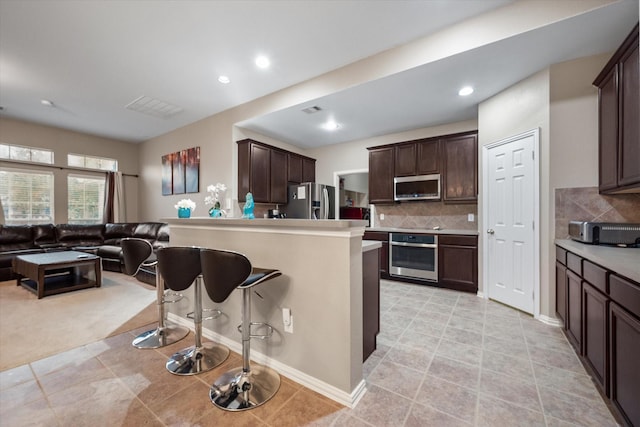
(224, 80)
(46, 103)
(262, 61)
(331, 125)
(465, 91)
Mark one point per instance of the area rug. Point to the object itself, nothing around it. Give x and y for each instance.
(32, 328)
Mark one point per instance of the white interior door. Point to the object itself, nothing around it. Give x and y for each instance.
(511, 216)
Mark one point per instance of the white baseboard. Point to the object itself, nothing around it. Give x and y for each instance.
(481, 294)
(349, 400)
(551, 321)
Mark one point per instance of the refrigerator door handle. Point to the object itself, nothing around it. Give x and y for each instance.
(325, 204)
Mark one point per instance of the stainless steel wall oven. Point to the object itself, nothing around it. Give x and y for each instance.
(413, 256)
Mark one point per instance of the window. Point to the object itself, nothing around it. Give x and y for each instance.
(26, 154)
(85, 199)
(89, 162)
(27, 197)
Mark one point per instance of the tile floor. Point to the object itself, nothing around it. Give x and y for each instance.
(444, 359)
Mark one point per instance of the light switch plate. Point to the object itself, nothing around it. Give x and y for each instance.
(381, 217)
(470, 217)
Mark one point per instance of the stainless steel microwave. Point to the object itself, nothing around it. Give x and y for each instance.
(420, 187)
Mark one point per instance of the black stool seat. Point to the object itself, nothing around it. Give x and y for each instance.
(243, 387)
(179, 268)
(138, 256)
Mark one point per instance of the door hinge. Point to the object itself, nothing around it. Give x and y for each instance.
(533, 295)
(533, 225)
(533, 155)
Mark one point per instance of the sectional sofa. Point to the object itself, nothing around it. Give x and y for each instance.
(100, 239)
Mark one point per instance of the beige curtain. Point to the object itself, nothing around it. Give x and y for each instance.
(114, 198)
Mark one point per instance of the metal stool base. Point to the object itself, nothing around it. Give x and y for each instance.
(192, 360)
(261, 384)
(157, 338)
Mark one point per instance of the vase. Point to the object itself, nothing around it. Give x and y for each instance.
(215, 212)
(184, 213)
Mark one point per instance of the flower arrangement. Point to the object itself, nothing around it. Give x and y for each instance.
(215, 192)
(186, 204)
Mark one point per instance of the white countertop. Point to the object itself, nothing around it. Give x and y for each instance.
(424, 230)
(623, 261)
(334, 224)
(369, 245)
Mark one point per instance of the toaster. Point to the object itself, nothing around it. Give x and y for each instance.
(605, 233)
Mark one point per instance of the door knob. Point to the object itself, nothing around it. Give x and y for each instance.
(490, 231)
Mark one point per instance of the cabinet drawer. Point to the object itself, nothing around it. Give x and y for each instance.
(574, 263)
(561, 255)
(381, 236)
(448, 239)
(595, 275)
(625, 293)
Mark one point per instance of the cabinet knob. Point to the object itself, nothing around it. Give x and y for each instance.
(490, 231)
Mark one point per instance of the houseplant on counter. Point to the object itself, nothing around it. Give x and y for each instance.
(185, 206)
(215, 192)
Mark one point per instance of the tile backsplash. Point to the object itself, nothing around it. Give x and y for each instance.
(585, 204)
(421, 215)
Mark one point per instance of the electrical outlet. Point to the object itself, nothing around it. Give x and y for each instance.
(470, 217)
(381, 217)
(287, 320)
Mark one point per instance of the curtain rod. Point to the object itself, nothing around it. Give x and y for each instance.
(71, 168)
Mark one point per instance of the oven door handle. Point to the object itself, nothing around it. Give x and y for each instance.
(414, 245)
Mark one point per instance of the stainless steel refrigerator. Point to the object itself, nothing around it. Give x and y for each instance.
(311, 201)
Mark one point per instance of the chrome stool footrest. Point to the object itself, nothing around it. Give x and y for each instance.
(264, 336)
(216, 313)
(160, 337)
(193, 360)
(238, 390)
(171, 297)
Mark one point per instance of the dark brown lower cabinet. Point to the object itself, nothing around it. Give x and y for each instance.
(574, 310)
(382, 237)
(458, 262)
(603, 324)
(625, 363)
(595, 314)
(370, 301)
(561, 292)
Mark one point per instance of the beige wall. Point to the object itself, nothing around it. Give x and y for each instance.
(216, 135)
(64, 142)
(520, 108)
(574, 122)
(562, 103)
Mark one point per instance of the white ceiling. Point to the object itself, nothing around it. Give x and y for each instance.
(92, 58)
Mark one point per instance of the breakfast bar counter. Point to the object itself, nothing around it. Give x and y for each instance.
(321, 283)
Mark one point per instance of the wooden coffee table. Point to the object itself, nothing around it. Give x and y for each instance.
(56, 272)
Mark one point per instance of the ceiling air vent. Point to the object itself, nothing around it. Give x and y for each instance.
(311, 110)
(153, 107)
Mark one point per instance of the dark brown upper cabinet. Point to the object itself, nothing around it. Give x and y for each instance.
(460, 168)
(428, 155)
(294, 162)
(419, 157)
(381, 172)
(405, 160)
(265, 171)
(454, 157)
(308, 169)
(619, 123)
(301, 168)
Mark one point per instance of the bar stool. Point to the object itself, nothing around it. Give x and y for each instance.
(179, 268)
(241, 388)
(138, 254)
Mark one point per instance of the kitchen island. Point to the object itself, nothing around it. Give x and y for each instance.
(321, 283)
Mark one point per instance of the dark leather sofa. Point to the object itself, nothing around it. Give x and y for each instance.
(100, 239)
